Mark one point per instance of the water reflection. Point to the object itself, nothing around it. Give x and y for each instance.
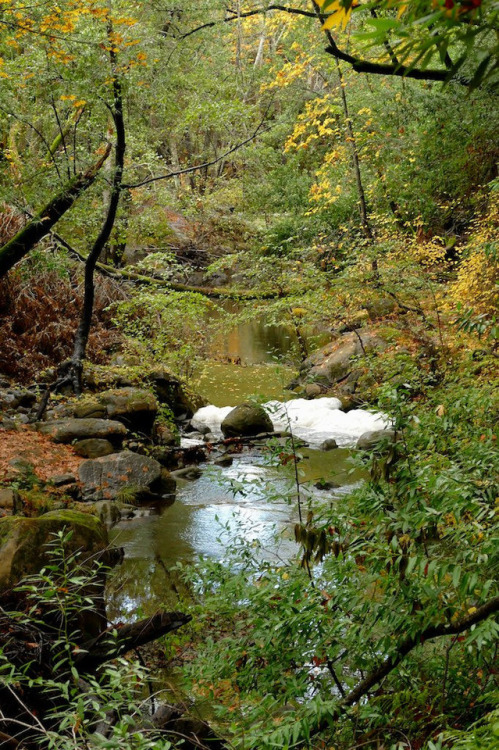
(256, 341)
(206, 515)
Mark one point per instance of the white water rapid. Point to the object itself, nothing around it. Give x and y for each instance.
(312, 421)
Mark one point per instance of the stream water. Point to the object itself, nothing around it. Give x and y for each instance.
(210, 509)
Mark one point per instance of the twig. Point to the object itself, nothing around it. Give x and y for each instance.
(197, 167)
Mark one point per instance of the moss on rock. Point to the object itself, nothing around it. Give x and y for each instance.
(23, 541)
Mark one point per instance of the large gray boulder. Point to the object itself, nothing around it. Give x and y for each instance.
(93, 448)
(126, 476)
(134, 407)
(336, 361)
(246, 420)
(340, 368)
(124, 374)
(71, 429)
(24, 551)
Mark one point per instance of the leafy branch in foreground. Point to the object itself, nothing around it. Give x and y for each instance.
(402, 610)
(61, 691)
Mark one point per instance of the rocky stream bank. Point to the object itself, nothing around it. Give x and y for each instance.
(92, 462)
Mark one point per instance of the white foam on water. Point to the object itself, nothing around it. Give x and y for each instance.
(212, 417)
(313, 421)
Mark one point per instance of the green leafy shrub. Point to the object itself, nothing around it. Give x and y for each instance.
(95, 711)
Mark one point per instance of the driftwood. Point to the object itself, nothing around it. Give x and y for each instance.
(243, 439)
(6, 741)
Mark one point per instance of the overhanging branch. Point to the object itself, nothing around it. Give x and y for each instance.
(365, 66)
(247, 14)
(359, 65)
(408, 644)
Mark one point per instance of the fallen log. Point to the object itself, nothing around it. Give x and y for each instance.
(6, 741)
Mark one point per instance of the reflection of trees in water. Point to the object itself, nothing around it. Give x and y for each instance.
(254, 342)
(145, 582)
(139, 587)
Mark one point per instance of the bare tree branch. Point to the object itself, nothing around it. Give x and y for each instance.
(257, 11)
(205, 165)
(408, 644)
(15, 249)
(110, 645)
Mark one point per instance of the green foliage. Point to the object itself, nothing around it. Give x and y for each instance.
(424, 32)
(483, 735)
(165, 326)
(57, 598)
(414, 546)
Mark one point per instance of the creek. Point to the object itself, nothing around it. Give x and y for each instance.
(210, 511)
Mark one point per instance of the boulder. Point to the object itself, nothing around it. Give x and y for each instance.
(71, 429)
(328, 445)
(188, 472)
(224, 461)
(126, 476)
(168, 484)
(23, 541)
(334, 362)
(173, 392)
(131, 372)
(322, 484)
(313, 390)
(134, 407)
(246, 419)
(337, 367)
(93, 447)
(15, 398)
(370, 440)
(164, 435)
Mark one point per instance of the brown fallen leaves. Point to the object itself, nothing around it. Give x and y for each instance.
(47, 458)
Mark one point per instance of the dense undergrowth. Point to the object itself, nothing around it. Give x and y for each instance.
(40, 306)
(281, 647)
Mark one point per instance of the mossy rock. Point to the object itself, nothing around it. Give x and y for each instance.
(335, 362)
(136, 408)
(167, 387)
(23, 541)
(246, 419)
(83, 427)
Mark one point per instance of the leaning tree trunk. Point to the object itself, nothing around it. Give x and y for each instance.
(41, 224)
(364, 218)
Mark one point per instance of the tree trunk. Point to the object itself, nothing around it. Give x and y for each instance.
(38, 228)
(364, 219)
(81, 338)
(106, 646)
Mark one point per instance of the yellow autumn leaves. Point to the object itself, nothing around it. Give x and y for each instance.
(339, 11)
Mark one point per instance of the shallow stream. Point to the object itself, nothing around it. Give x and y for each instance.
(209, 510)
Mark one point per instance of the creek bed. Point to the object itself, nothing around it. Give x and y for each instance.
(206, 512)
